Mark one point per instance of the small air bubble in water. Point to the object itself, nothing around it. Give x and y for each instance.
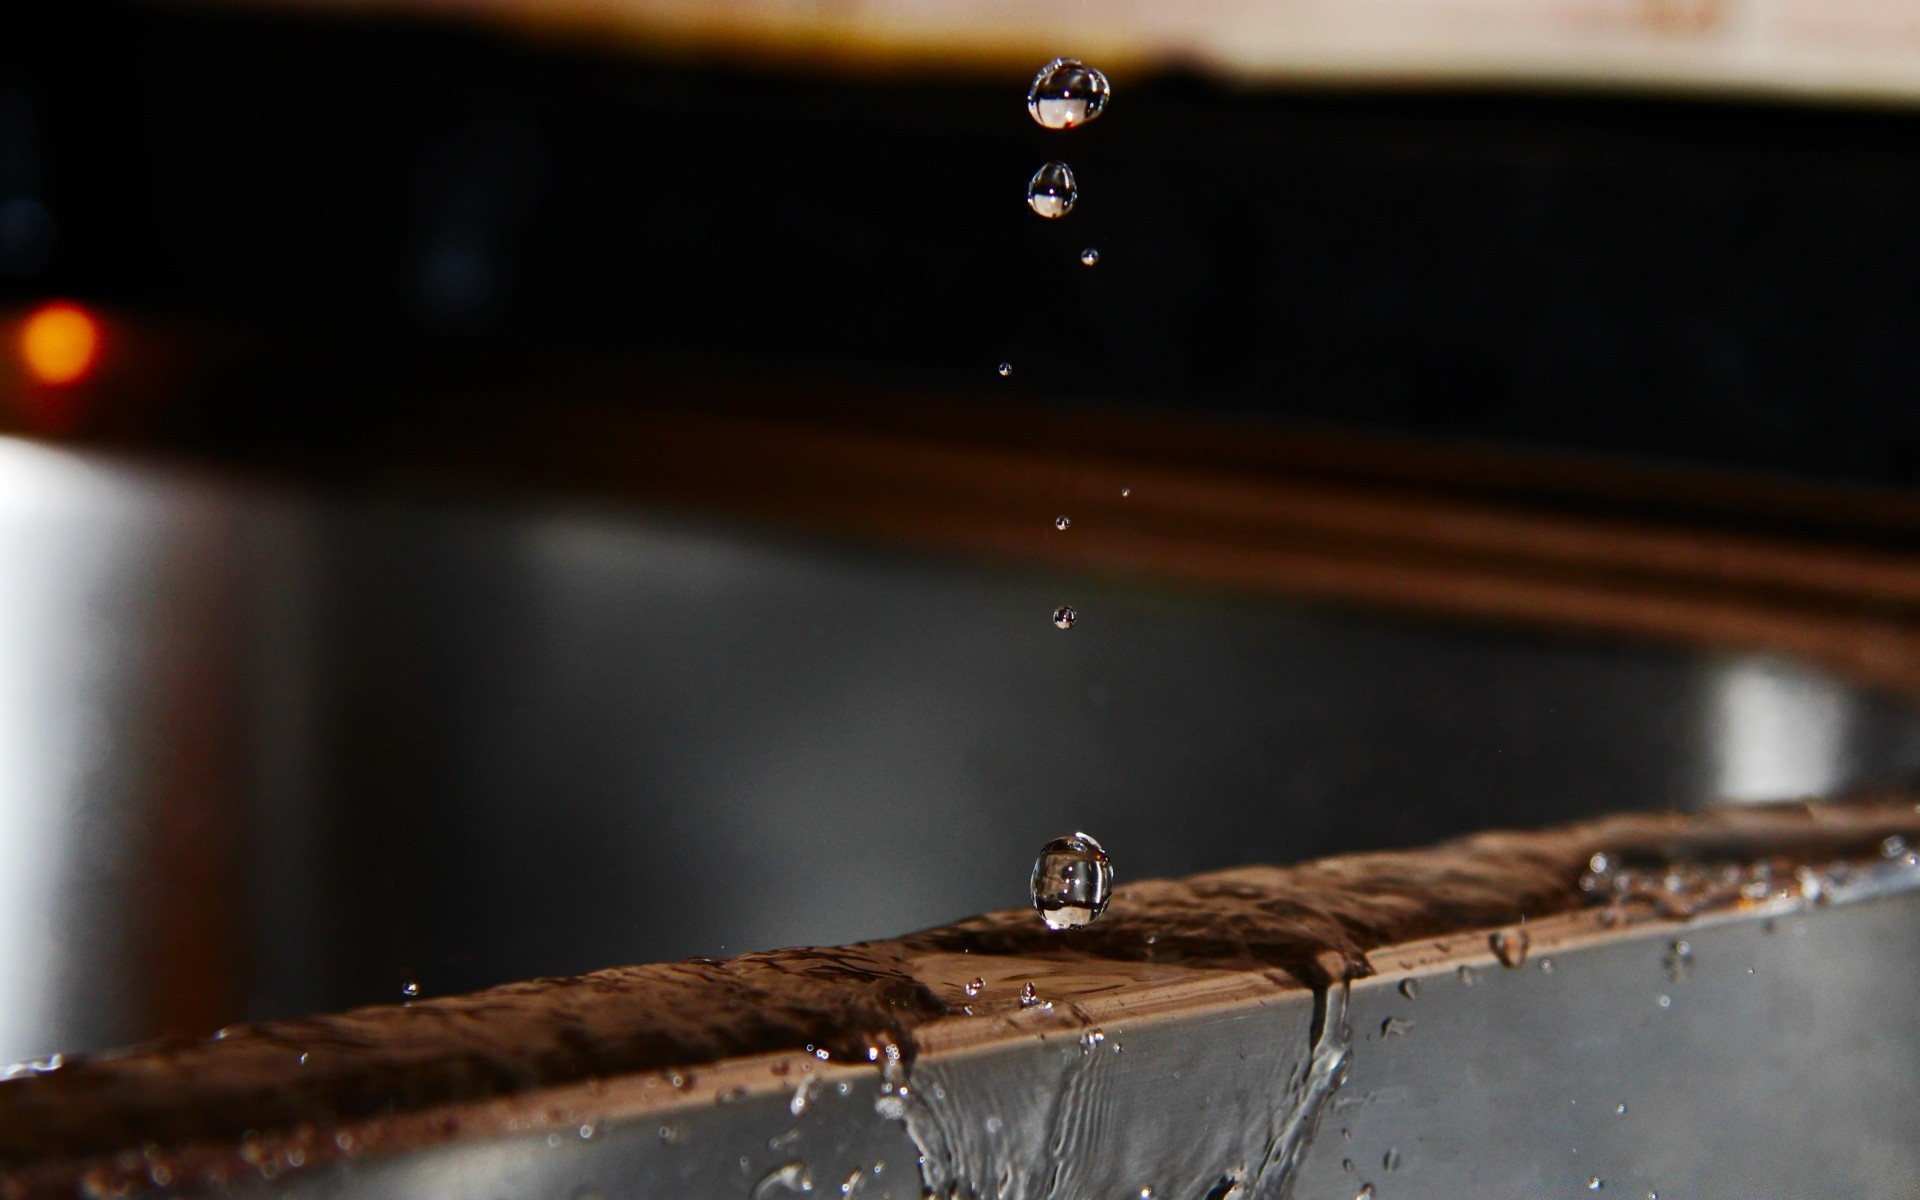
(1072, 878)
(1061, 523)
(1089, 257)
(1052, 192)
(409, 989)
(1067, 92)
(1064, 616)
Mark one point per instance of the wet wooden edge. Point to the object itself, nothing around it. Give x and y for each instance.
(1491, 882)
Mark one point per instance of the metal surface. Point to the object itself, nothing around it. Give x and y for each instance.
(267, 753)
(1775, 1057)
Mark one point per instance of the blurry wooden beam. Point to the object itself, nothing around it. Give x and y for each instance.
(1858, 50)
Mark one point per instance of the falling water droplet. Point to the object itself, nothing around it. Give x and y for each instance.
(1052, 192)
(1064, 616)
(1006, 369)
(409, 989)
(1072, 878)
(1067, 92)
(791, 1179)
(1510, 946)
(974, 985)
(1410, 989)
(1089, 257)
(1061, 523)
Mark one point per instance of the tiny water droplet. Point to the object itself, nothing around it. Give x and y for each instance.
(1677, 960)
(1072, 878)
(1052, 191)
(1410, 989)
(1090, 1040)
(1666, 1001)
(1029, 995)
(1064, 616)
(586, 1133)
(1346, 1164)
(1061, 523)
(1546, 966)
(1391, 1159)
(802, 1096)
(1600, 864)
(1394, 1027)
(1595, 1184)
(1089, 257)
(1006, 369)
(1466, 976)
(1066, 93)
(1125, 492)
(1365, 1192)
(1510, 946)
(1619, 1110)
(791, 1179)
(1893, 847)
(409, 989)
(974, 985)
(304, 1056)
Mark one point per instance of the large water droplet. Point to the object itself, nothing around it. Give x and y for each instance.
(1067, 92)
(1052, 192)
(1510, 946)
(1064, 616)
(1072, 878)
(789, 1180)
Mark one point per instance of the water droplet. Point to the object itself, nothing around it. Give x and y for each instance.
(1409, 989)
(1893, 847)
(1006, 369)
(802, 1096)
(993, 1124)
(974, 985)
(409, 989)
(1391, 1159)
(1466, 976)
(1061, 523)
(1089, 257)
(1394, 1027)
(586, 1133)
(1090, 1040)
(1067, 92)
(1029, 995)
(1510, 946)
(791, 1179)
(1146, 1193)
(1595, 1184)
(1599, 864)
(1677, 960)
(1619, 1110)
(304, 1056)
(1346, 1164)
(1546, 966)
(1064, 616)
(1072, 878)
(1125, 492)
(1666, 1001)
(1052, 192)
(1365, 1192)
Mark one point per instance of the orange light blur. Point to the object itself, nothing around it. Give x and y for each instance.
(60, 344)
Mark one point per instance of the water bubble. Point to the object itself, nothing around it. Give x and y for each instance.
(1394, 1027)
(1005, 369)
(1510, 946)
(1052, 192)
(1089, 257)
(1064, 616)
(1677, 960)
(1893, 847)
(1409, 989)
(1666, 1001)
(1072, 878)
(1029, 995)
(791, 1179)
(586, 1133)
(974, 985)
(409, 989)
(1061, 523)
(1067, 92)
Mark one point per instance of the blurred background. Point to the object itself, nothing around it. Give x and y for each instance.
(493, 488)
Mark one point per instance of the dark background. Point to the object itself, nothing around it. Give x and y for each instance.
(358, 213)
